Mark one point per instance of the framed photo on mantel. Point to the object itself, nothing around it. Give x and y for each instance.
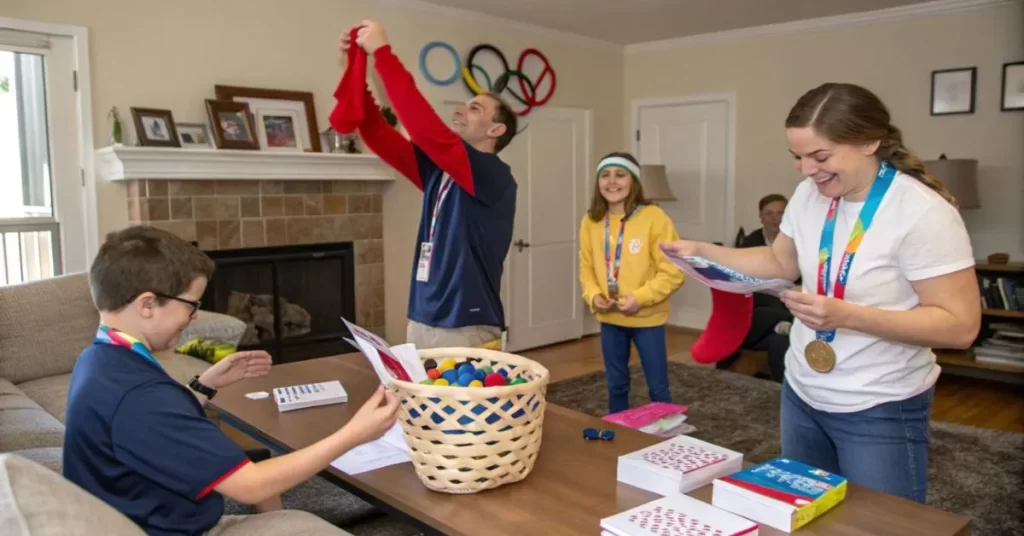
(232, 126)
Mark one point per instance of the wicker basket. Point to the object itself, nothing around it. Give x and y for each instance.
(470, 439)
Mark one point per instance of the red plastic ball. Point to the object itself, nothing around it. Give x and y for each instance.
(433, 374)
(494, 380)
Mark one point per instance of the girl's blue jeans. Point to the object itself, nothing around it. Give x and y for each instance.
(650, 344)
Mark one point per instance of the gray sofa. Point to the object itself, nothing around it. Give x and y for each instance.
(44, 326)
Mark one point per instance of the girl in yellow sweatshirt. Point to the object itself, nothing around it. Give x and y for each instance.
(626, 279)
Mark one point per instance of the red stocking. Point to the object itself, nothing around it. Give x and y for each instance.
(348, 113)
(731, 315)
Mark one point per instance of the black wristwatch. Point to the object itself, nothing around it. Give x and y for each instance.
(198, 387)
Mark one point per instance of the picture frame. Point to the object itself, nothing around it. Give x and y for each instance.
(260, 98)
(279, 130)
(954, 91)
(194, 135)
(1011, 97)
(232, 125)
(155, 127)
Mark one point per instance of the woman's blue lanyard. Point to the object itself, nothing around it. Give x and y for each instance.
(108, 335)
(613, 269)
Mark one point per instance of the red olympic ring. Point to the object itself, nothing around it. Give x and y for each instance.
(547, 70)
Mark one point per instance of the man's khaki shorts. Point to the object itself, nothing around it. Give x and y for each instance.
(424, 336)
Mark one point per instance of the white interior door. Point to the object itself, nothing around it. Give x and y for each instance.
(540, 285)
(695, 139)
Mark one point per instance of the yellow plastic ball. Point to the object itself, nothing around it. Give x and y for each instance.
(440, 381)
(476, 383)
(447, 364)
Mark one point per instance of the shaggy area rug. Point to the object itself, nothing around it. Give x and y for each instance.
(972, 471)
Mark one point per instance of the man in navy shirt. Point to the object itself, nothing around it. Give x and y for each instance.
(469, 200)
(140, 441)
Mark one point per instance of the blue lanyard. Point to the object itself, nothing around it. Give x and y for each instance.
(108, 335)
(886, 174)
(613, 271)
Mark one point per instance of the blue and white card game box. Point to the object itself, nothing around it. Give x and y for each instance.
(309, 395)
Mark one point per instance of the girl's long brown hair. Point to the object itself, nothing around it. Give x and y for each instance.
(851, 114)
(598, 204)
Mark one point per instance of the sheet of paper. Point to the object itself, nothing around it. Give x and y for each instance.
(719, 277)
(390, 449)
(385, 364)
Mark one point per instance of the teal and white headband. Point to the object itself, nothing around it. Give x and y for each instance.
(621, 162)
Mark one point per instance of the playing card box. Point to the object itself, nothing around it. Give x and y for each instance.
(678, 465)
(309, 395)
(677, 515)
(781, 493)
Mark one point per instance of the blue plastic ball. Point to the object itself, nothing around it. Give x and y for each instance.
(479, 374)
(451, 376)
(504, 373)
(464, 379)
(465, 368)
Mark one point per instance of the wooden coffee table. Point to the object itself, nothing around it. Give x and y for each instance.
(573, 484)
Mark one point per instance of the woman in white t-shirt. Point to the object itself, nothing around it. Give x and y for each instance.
(860, 372)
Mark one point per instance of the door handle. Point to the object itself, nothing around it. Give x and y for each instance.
(520, 244)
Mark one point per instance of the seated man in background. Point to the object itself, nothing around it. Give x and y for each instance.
(769, 327)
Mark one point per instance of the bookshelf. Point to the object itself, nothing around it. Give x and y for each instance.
(995, 309)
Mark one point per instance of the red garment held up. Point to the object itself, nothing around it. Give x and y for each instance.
(349, 112)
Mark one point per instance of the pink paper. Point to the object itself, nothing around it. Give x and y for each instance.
(639, 417)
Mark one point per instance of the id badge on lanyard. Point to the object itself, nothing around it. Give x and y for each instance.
(427, 248)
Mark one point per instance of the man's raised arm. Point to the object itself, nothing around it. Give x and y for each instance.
(426, 129)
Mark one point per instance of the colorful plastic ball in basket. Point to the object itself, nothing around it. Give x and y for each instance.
(470, 437)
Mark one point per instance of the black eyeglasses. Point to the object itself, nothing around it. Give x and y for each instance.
(195, 304)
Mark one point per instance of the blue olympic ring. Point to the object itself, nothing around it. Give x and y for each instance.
(457, 72)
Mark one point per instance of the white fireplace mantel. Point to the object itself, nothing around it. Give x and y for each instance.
(125, 163)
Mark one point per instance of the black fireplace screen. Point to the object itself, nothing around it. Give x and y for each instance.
(291, 298)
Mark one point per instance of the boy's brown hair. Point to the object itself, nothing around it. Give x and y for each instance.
(144, 259)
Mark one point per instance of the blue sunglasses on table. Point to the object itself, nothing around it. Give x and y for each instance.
(591, 434)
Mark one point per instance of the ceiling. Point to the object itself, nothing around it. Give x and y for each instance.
(656, 20)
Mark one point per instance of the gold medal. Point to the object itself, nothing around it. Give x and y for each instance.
(820, 356)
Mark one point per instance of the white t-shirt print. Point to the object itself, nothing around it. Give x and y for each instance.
(915, 235)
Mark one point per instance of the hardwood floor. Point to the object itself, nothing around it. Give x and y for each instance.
(968, 401)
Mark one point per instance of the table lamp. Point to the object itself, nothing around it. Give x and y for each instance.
(654, 181)
(959, 176)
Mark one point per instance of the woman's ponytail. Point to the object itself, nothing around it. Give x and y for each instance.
(893, 150)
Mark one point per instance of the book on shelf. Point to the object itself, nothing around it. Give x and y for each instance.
(781, 493)
(1001, 293)
(1005, 346)
(677, 514)
(678, 465)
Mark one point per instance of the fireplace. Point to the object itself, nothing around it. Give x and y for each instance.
(291, 298)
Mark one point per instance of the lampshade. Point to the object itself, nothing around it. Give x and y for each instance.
(655, 183)
(959, 176)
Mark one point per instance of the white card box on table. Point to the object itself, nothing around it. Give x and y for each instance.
(677, 515)
(309, 395)
(678, 465)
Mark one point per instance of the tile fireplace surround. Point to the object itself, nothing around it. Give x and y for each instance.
(228, 214)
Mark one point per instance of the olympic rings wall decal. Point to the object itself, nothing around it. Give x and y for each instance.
(472, 74)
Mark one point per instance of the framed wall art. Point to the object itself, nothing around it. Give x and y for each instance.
(263, 100)
(953, 91)
(155, 128)
(232, 125)
(1012, 95)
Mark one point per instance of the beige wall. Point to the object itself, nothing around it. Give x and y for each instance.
(170, 55)
(892, 59)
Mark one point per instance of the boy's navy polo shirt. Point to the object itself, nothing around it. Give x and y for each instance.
(139, 441)
(471, 240)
